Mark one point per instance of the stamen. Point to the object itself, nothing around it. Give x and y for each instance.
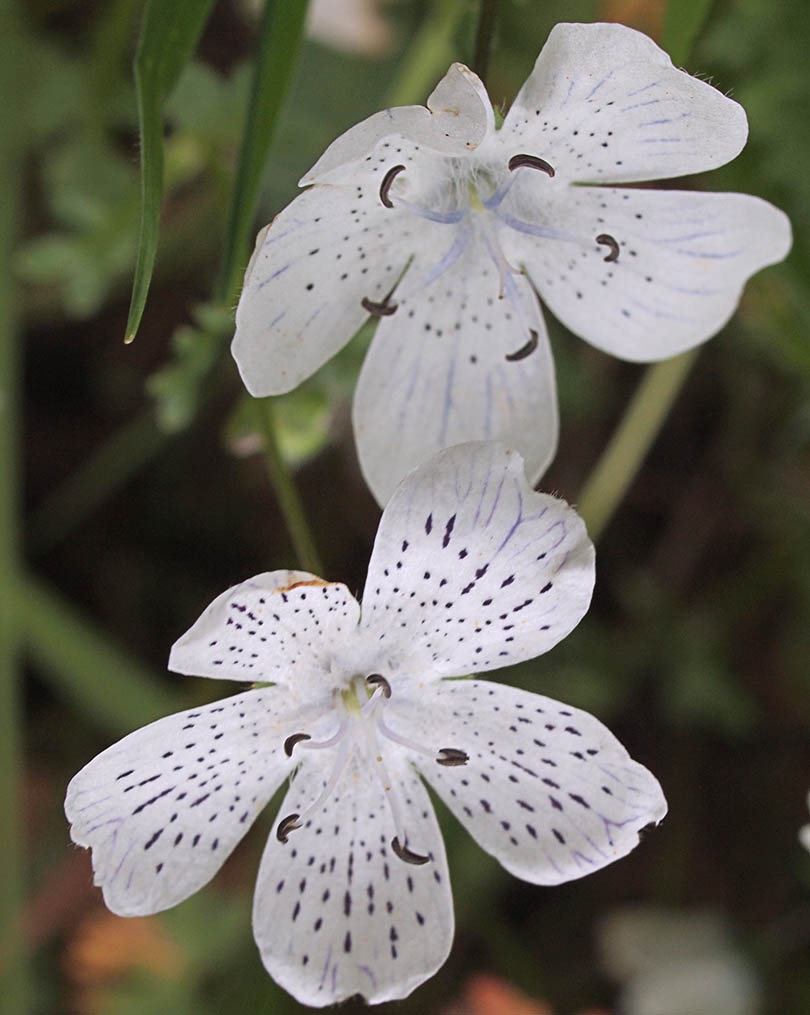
(287, 825)
(411, 745)
(307, 743)
(505, 269)
(452, 756)
(293, 821)
(385, 186)
(406, 854)
(524, 350)
(531, 162)
(378, 680)
(384, 309)
(606, 240)
(291, 741)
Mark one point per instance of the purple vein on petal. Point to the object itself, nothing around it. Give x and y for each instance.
(711, 257)
(448, 401)
(639, 105)
(597, 86)
(270, 278)
(447, 261)
(644, 88)
(544, 232)
(518, 521)
(495, 502)
(481, 497)
(312, 317)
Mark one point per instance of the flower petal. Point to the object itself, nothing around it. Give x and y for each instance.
(163, 808)
(548, 790)
(605, 105)
(683, 260)
(336, 912)
(457, 119)
(471, 569)
(304, 285)
(455, 363)
(278, 627)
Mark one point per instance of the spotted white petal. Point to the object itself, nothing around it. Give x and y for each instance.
(605, 105)
(472, 569)
(304, 288)
(163, 808)
(278, 627)
(458, 117)
(336, 912)
(683, 259)
(548, 790)
(455, 363)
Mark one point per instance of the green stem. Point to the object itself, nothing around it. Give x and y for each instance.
(13, 962)
(623, 457)
(284, 486)
(644, 417)
(429, 54)
(487, 15)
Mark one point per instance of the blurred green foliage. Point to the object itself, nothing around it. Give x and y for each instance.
(695, 651)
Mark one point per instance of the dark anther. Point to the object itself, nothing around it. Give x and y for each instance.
(291, 741)
(408, 855)
(607, 241)
(452, 756)
(524, 350)
(287, 825)
(385, 186)
(378, 680)
(533, 162)
(384, 309)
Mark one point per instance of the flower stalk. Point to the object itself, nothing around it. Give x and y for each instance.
(485, 30)
(288, 497)
(622, 458)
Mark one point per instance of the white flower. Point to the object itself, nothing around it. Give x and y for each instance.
(443, 227)
(471, 570)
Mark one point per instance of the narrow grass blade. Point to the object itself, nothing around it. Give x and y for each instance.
(281, 32)
(168, 37)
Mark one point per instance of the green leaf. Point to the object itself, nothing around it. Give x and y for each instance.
(168, 37)
(682, 23)
(281, 32)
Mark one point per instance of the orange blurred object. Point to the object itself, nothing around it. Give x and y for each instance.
(106, 947)
(645, 15)
(489, 995)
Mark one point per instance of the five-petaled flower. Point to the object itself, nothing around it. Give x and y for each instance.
(445, 228)
(471, 570)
